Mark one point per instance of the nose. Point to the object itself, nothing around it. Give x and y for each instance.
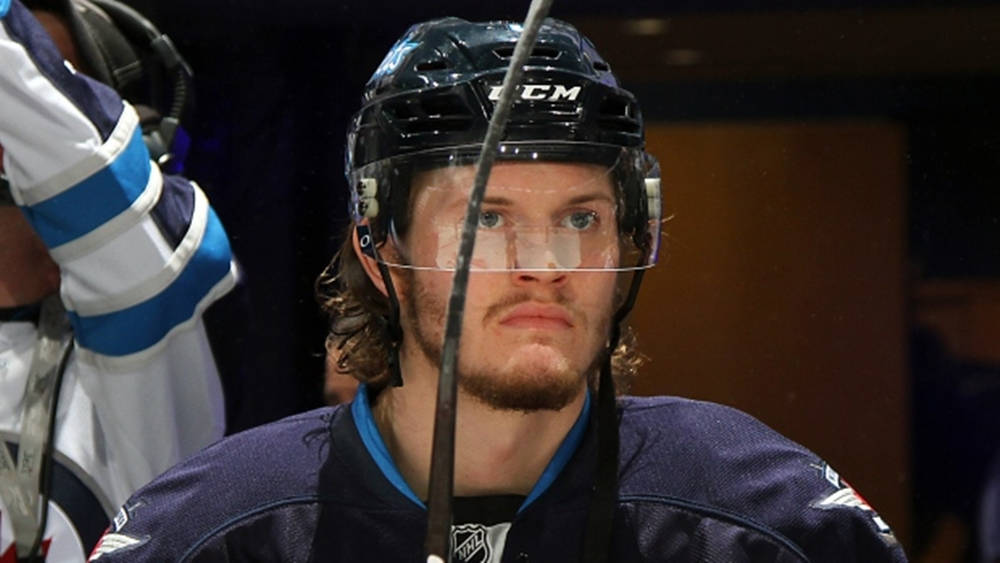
(549, 277)
(535, 263)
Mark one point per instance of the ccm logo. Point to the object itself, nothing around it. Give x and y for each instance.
(547, 92)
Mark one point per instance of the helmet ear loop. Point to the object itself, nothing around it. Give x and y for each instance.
(389, 323)
(392, 327)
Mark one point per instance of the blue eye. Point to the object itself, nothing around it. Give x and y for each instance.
(580, 220)
(490, 220)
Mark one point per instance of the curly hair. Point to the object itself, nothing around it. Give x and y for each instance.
(359, 334)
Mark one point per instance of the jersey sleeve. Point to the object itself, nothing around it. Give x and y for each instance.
(141, 254)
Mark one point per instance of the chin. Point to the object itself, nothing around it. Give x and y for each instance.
(535, 378)
(539, 358)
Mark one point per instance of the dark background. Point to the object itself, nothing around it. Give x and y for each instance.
(276, 84)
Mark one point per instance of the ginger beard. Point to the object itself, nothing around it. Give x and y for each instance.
(517, 370)
(531, 337)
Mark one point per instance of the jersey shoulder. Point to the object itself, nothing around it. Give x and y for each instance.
(700, 457)
(248, 473)
(706, 452)
(705, 432)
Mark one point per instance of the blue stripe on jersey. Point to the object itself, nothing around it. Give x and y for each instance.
(4, 7)
(99, 103)
(365, 423)
(134, 329)
(94, 201)
(566, 450)
(172, 214)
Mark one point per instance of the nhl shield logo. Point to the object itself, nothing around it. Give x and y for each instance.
(470, 543)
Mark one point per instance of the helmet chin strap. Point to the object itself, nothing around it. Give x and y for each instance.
(392, 326)
(391, 323)
(604, 501)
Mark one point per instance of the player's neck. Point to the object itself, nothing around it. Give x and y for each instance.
(497, 451)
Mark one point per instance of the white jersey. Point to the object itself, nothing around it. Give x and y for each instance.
(141, 256)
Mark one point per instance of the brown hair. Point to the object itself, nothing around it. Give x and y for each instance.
(359, 339)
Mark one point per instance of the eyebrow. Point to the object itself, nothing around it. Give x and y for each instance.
(576, 200)
(593, 196)
(493, 200)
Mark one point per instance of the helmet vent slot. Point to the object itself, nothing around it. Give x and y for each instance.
(443, 106)
(619, 113)
(539, 52)
(601, 66)
(429, 114)
(427, 66)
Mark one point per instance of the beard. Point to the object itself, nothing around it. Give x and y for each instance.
(542, 379)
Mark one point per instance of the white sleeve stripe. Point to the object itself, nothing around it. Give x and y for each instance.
(122, 222)
(154, 286)
(34, 109)
(114, 364)
(91, 164)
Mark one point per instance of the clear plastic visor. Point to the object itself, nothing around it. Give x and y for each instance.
(535, 215)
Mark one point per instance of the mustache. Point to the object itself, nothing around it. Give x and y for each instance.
(514, 299)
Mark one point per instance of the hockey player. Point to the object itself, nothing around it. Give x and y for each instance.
(549, 467)
(106, 264)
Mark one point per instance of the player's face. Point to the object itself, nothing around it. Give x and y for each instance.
(530, 336)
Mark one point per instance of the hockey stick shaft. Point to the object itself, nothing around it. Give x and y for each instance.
(439, 517)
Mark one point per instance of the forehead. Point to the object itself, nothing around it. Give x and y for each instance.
(541, 181)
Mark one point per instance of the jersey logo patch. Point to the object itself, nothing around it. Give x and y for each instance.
(394, 58)
(120, 519)
(850, 498)
(846, 497)
(471, 545)
(112, 543)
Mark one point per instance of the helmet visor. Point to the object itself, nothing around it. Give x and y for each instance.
(545, 208)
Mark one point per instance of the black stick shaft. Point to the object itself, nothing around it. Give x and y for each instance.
(439, 515)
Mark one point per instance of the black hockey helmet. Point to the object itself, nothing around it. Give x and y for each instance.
(430, 101)
(437, 85)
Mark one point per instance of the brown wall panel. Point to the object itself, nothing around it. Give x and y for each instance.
(965, 314)
(781, 288)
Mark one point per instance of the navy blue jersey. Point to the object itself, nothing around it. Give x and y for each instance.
(698, 482)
